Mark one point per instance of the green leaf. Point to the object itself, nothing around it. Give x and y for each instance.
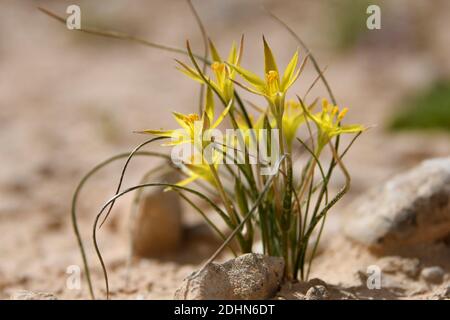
(268, 127)
(240, 196)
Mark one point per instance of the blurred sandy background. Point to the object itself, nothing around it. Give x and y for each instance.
(69, 100)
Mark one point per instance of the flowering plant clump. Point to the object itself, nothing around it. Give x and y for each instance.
(269, 165)
(285, 212)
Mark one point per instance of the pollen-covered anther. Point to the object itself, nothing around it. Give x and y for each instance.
(218, 67)
(342, 113)
(272, 82)
(272, 76)
(192, 117)
(335, 110)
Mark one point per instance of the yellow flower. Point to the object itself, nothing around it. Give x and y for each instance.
(223, 73)
(328, 123)
(272, 86)
(198, 171)
(293, 117)
(192, 126)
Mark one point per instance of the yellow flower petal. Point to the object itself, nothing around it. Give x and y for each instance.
(289, 72)
(159, 133)
(214, 53)
(252, 78)
(222, 115)
(191, 73)
(269, 60)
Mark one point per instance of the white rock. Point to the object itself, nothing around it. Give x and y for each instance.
(248, 277)
(411, 208)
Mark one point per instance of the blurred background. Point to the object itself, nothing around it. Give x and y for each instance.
(69, 100)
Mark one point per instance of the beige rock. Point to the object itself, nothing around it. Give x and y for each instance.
(157, 229)
(442, 293)
(393, 264)
(249, 277)
(411, 208)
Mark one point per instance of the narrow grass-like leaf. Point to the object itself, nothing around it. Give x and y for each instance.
(75, 197)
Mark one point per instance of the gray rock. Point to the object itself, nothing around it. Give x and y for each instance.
(32, 295)
(433, 275)
(318, 292)
(249, 277)
(411, 208)
(157, 228)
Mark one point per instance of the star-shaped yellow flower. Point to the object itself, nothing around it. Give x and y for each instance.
(293, 117)
(192, 125)
(328, 123)
(272, 86)
(221, 69)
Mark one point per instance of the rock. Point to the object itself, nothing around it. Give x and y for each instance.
(411, 208)
(249, 277)
(157, 229)
(392, 265)
(32, 295)
(433, 275)
(315, 289)
(445, 292)
(442, 293)
(318, 292)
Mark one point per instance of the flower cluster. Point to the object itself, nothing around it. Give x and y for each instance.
(285, 216)
(287, 116)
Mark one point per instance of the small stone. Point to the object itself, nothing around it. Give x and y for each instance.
(411, 208)
(318, 292)
(157, 229)
(317, 282)
(442, 293)
(446, 292)
(32, 295)
(249, 277)
(433, 275)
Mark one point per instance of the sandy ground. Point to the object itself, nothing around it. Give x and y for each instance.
(68, 101)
